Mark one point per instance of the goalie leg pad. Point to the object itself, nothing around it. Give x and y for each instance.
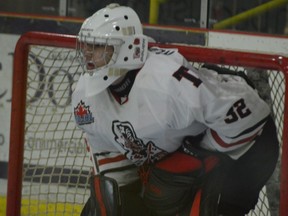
(104, 196)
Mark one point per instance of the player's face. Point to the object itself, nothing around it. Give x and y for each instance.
(96, 56)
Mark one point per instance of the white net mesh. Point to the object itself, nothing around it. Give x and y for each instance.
(56, 167)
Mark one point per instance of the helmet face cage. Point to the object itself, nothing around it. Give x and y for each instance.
(95, 55)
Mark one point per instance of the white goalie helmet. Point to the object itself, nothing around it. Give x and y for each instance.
(114, 26)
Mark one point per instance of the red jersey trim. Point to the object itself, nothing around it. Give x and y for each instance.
(223, 144)
(111, 160)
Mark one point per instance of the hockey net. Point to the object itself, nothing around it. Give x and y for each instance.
(48, 164)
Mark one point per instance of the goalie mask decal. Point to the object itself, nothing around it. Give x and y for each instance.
(135, 149)
(83, 114)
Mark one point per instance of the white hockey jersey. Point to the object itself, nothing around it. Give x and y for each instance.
(168, 101)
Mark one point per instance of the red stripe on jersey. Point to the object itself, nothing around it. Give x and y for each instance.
(111, 160)
(221, 142)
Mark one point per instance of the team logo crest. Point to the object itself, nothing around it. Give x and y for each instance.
(135, 149)
(83, 114)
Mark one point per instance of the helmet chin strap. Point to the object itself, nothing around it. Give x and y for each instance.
(117, 72)
(118, 81)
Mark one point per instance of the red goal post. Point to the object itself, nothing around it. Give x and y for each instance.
(26, 175)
